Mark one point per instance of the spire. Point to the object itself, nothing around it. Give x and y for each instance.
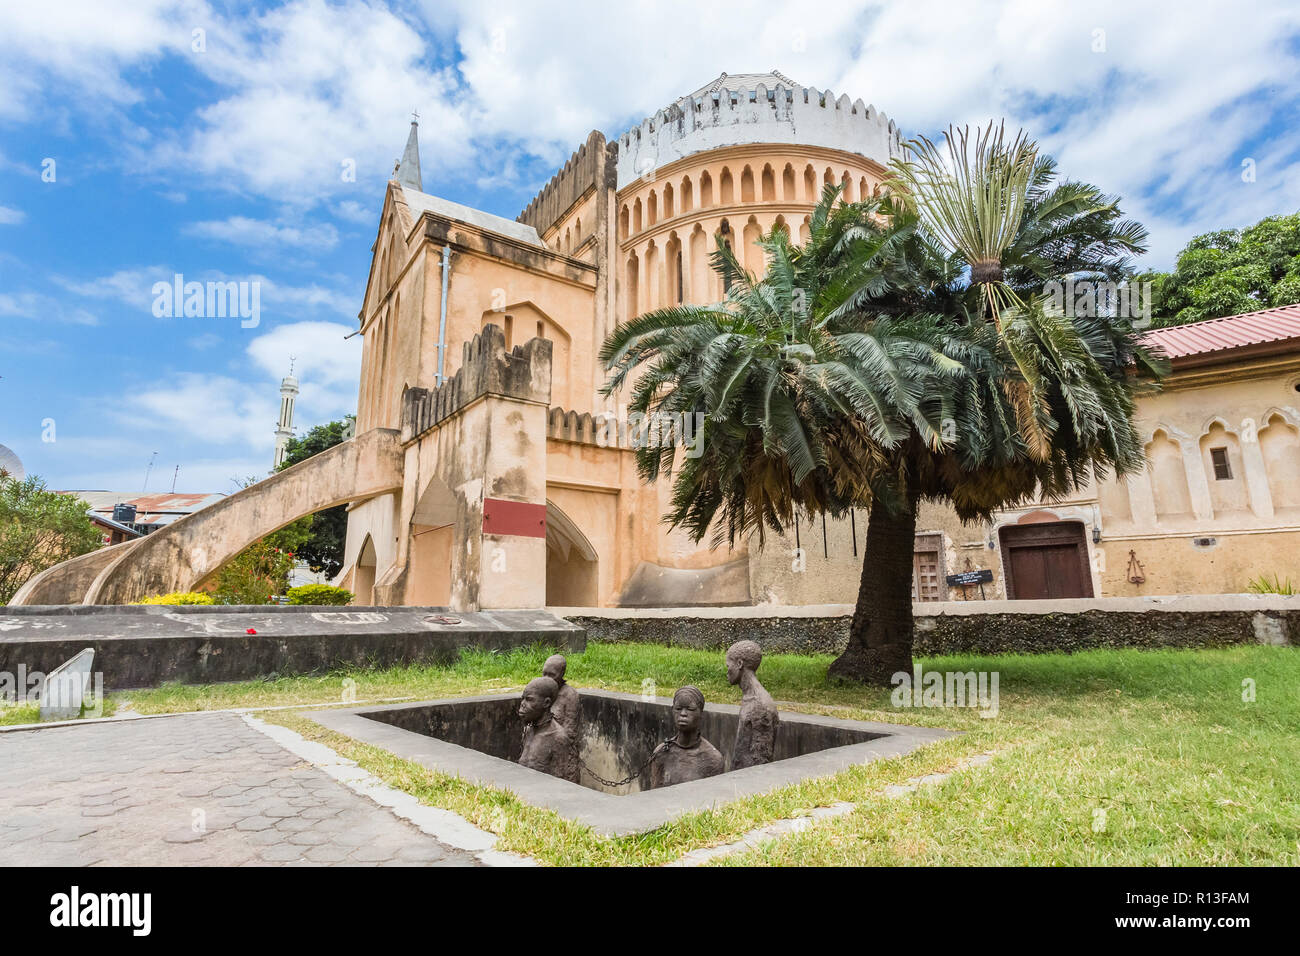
(284, 427)
(408, 169)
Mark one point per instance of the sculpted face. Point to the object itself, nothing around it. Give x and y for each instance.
(734, 667)
(687, 715)
(554, 668)
(534, 704)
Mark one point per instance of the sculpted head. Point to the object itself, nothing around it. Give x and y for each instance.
(554, 668)
(688, 708)
(742, 656)
(537, 699)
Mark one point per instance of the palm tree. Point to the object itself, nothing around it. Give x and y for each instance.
(861, 371)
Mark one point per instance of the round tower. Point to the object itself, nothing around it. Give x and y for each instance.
(727, 163)
(284, 428)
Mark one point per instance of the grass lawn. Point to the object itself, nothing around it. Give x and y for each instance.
(1103, 757)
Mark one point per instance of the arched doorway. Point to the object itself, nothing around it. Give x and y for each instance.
(428, 575)
(571, 563)
(363, 579)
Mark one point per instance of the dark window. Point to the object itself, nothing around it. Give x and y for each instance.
(1222, 468)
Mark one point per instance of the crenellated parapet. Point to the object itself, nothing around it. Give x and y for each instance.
(584, 170)
(781, 114)
(487, 368)
(582, 429)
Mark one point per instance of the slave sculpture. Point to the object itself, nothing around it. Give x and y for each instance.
(547, 746)
(687, 756)
(552, 718)
(756, 732)
(564, 711)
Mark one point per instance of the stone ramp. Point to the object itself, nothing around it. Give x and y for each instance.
(181, 555)
(146, 645)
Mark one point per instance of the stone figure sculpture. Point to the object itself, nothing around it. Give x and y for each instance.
(688, 756)
(565, 711)
(756, 733)
(547, 746)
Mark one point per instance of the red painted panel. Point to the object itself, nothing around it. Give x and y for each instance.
(514, 517)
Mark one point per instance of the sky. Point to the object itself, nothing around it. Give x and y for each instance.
(224, 142)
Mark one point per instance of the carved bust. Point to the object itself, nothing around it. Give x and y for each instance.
(688, 756)
(565, 711)
(756, 733)
(547, 747)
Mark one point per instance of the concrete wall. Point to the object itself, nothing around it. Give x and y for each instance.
(992, 627)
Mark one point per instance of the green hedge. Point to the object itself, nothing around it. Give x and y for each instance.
(319, 594)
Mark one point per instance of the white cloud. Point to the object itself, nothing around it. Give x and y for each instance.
(327, 366)
(189, 411)
(133, 287)
(355, 212)
(1162, 111)
(261, 234)
(317, 98)
(45, 308)
(218, 410)
(84, 46)
(129, 286)
(9, 216)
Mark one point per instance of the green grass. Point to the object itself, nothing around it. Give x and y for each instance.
(1185, 770)
(11, 713)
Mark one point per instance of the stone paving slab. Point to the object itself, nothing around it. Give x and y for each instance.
(199, 790)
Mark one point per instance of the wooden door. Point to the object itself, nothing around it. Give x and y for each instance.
(1045, 561)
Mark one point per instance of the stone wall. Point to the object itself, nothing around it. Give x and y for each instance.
(993, 627)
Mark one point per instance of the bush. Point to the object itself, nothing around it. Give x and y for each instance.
(179, 597)
(319, 594)
(1263, 585)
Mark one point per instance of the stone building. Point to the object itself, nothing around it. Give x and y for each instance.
(489, 472)
(627, 225)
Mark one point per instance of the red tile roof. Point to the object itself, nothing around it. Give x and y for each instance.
(1230, 332)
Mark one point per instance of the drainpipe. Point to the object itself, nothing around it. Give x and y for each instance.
(442, 309)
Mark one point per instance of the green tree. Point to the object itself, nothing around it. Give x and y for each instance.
(38, 529)
(1229, 272)
(323, 549)
(865, 370)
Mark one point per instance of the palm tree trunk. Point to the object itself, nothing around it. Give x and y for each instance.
(880, 635)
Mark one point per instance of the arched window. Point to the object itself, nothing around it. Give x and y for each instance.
(769, 184)
(746, 185)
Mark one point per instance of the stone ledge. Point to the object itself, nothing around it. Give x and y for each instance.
(143, 646)
(968, 627)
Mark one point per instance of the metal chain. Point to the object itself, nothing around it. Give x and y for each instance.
(662, 748)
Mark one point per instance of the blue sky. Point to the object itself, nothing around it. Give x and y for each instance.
(211, 140)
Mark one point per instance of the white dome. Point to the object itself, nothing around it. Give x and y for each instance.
(744, 109)
(9, 462)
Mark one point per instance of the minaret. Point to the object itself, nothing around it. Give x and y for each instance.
(288, 392)
(408, 168)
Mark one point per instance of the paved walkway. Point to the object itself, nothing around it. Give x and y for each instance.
(199, 789)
